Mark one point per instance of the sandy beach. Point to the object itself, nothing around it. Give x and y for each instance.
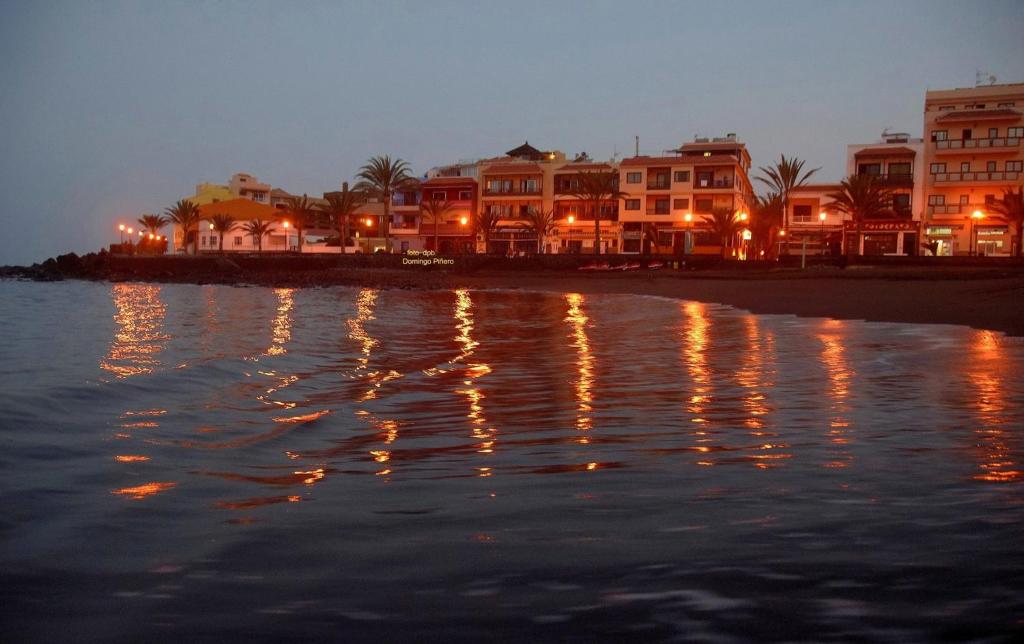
(980, 297)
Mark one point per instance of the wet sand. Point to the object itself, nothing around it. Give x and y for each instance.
(983, 303)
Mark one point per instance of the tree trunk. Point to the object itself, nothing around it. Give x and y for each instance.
(298, 231)
(386, 224)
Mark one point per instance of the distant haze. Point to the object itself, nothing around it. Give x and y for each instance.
(113, 109)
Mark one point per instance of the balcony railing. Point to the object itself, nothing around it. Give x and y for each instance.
(893, 179)
(947, 177)
(978, 144)
(725, 182)
(513, 192)
(659, 184)
(958, 208)
(659, 211)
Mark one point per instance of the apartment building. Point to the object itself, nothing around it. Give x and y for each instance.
(674, 193)
(973, 152)
(455, 232)
(513, 184)
(814, 228)
(574, 220)
(241, 185)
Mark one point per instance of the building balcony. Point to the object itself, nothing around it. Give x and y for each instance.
(711, 184)
(901, 180)
(659, 211)
(976, 177)
(998, 144)
(512, 193)
(958, 208)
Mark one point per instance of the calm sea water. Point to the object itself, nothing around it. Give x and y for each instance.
(197, 463)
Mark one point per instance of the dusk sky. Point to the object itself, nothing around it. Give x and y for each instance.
(114, 109)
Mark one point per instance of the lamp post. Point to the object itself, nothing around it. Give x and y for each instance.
(687, 241)
(743, 218)
(571, 221)
(120, 227)
(976, 216)
(287, 235)
(821, 218)
(782, 234)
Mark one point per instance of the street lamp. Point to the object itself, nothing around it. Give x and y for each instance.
(976, 216)
(821, 218)
(121, 228)
(687, 234)
(571, 221)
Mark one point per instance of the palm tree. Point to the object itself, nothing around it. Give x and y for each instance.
(382, 177)
(301, 212)
(340, 208)
(153, 223)
(765, 219)
(1011, 206)
(650, 237)
(485, 223)
(185, 213)
(223, 224)
(860, 198)
(782, 178)
(435, 211)
(542, 223)
(725, 223)
(594, 189)
(258, 229)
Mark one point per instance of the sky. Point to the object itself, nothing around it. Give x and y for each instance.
(109, 110)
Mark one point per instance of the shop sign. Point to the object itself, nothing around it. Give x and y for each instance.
(883, 226)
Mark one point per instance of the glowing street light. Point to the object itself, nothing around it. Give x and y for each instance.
(976, 216)
(743, 216)
(571, 220)
(464, 220)
(120, 227)
(821, 218)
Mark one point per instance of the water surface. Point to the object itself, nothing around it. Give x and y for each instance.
(193, 462)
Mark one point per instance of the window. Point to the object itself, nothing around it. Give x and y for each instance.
(965, 166)
(632, 204)
(901, 203)
(939, 135)
(901, 169)
(705, 179)
(439, 196)
(1006, 105)
(870, 168)
(965, 134)
(661, 207)
(633, 177)
(965, 199)
(993, 132)
(203, 242)
(1015, 132)
(990, 166)
(801, 214)
(465, 195)
(238, 240)
(938, 168)
(705, 206)
(681, 204)
(946, 108)
(1015, 166)
(528, 185)
(936, 200)
(682, 176)
(213, 240)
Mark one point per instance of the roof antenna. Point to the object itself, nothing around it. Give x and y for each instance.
(636, 149)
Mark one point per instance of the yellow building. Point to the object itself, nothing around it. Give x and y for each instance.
(973, 152)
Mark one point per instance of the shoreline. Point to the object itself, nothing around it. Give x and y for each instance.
(981, 298)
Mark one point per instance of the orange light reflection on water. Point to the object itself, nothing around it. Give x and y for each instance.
(694, 348)
(577, 319)
(988, 363)
(146, 489)
(832, 335)
(480, 429)
(139, 337)
(281, 328)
